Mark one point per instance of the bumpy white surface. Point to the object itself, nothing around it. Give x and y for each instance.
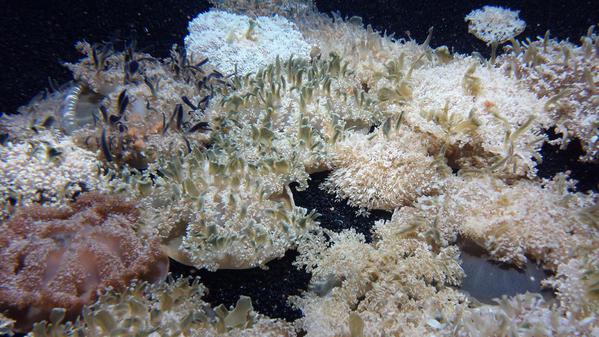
(221, 36)
(494, 24)
(26, 170)
(434, 87)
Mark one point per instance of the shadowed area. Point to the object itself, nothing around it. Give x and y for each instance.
(334, 214)
(269, 289)
(486, 279)
(557, 160)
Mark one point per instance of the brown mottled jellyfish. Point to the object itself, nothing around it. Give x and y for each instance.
(61, 257)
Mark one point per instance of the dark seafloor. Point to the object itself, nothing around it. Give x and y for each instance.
(36, 36)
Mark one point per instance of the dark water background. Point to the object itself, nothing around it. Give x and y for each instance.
(36, 36)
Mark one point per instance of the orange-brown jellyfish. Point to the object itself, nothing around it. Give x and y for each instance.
(52, 257)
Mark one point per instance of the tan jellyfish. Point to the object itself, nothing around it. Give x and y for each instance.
(494, 25)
